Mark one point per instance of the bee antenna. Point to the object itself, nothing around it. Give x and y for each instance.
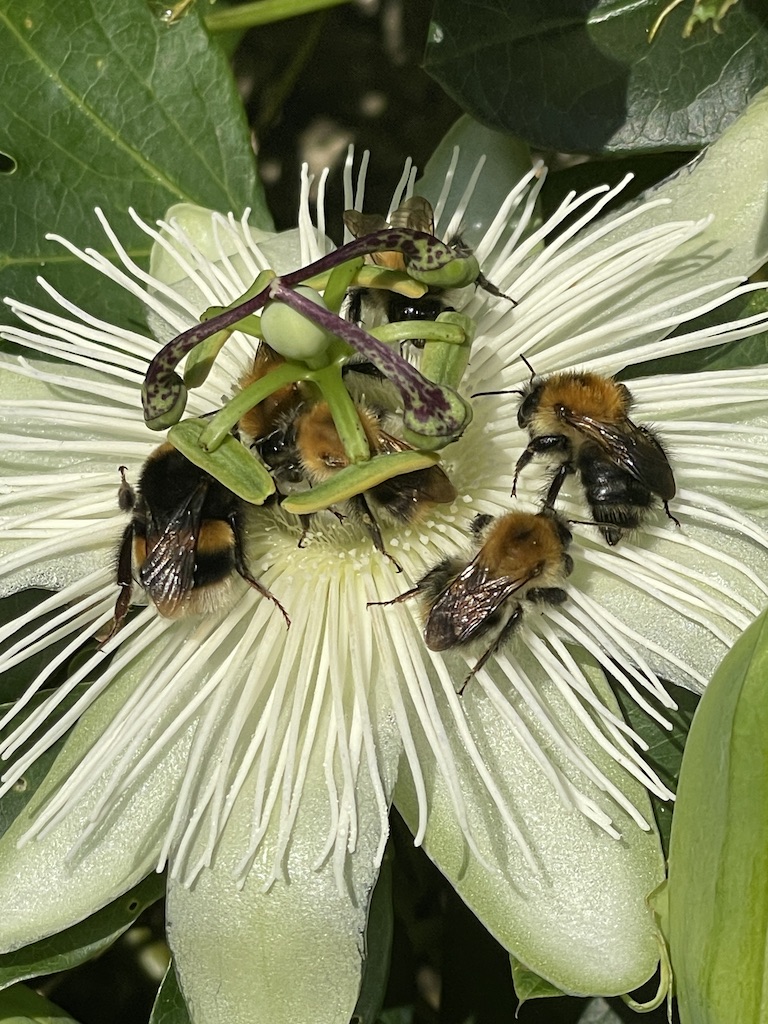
(511, 391)
(527, 363)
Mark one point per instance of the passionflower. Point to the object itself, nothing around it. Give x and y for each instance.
(258, 762)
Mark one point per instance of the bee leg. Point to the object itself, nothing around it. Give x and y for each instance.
(306, 522)
(243, 570)
(670, 516)
(545, 444)
(507, 630)
(395, 600)
(557, 482)
(546, 595)
(125, 582)
(126, 496)
(371, 527)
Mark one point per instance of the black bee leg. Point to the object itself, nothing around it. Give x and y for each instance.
(669, 514)
(243, 570)
(508, 629)
(371, 527)
(126, 496)
(546, 595)
(557, 482)
(125, 582)
(544, 444)
(306, 522)
(522, 462)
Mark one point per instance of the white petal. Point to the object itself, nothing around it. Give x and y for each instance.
(305, 935)
(581, 921)
(44, 890)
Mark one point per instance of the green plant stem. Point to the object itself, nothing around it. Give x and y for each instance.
(263, 12)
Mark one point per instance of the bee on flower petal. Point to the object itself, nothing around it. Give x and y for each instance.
(522, 560)
(184, 542)
(581, 421)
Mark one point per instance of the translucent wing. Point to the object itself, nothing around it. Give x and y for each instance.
(463, 609)
(416, 213)
(630, 447)
(168, 573)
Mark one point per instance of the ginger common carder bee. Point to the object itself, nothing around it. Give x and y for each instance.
(523, 559)
(307, 447)
(581, 420)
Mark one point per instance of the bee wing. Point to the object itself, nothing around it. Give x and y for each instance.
(169, 569)
(462, 610)
(405, 495)
(360, 224)
(630, 447)
(417, 213)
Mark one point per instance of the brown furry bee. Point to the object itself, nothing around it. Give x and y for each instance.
(262, 418)
(523, 558)
(307, 447)
(185, 539)
(581, 420)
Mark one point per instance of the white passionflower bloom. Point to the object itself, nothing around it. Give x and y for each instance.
(258, 762)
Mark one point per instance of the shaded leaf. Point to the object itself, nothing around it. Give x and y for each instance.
(104, 105)
(378, 945)
(12, 804)
(169, 1007)
(665, 747)
(83, 941)
(20, 1004)
(581, 77)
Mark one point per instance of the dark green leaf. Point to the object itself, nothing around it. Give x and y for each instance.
(665, 747)
(20, 1004)
(82, 941)
(169, 1007)
(104, 105)
(581, 76)
(378, 945)
(13, 803)
(529, 985)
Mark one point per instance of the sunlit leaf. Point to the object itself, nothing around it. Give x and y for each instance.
(718, 861)
(104, 105)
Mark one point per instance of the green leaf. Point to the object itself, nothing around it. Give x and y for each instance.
(13, 803)
(83, 941)
(169, 1006)
(20, 1005)
(528, 984)
(104, 105)
(718, 860)
(665, 747)
(567, 75)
